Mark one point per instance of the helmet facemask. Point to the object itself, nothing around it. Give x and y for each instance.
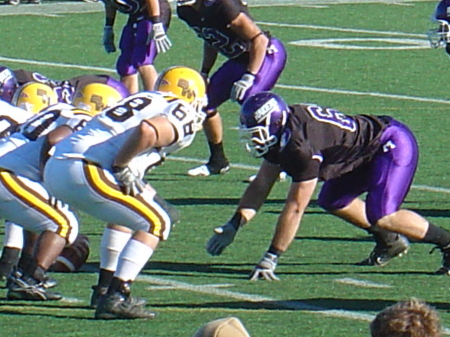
(263, 117)
(8, 84)
(439, 37)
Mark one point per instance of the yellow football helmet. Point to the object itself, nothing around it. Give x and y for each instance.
(34, 96)
(95, 97)
(188, 85)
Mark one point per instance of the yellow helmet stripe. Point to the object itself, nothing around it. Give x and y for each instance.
(36, 201)
(98, 181)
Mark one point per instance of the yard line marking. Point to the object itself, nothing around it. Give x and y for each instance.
(71, 300)
(339, 29)
(362, 93)
(361, 283)
(255, 168)
(292, 305)
(160, 287)
(281, 86)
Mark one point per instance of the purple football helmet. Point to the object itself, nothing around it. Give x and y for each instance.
(440, 36)
(8, 84)
(262, 118)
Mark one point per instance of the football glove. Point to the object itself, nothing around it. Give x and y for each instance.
(241, 87)
(158, 35)
(265, 269)
(130, 183)
(223, 236)
(108, 39)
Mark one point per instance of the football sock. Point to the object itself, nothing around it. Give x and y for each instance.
(112, 243)
(437, 235)
(217, 156)
(13, 235)
(132, 259)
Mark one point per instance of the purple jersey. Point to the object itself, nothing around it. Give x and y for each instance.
(211, 23)
(324, 143)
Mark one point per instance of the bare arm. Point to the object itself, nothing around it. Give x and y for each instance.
(288, 223)
(246, 29)
(154, 132)
(209, 58)
(258, 190)
(153, 8)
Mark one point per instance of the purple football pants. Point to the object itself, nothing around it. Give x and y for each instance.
(386, 179)
(134, 50)
(222, 80)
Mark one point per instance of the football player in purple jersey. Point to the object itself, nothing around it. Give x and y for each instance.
(143, 38)
(353, 155)
(439, 36)
(255, 62)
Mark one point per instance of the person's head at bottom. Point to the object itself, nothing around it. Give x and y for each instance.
(411, 318)
(223, 327)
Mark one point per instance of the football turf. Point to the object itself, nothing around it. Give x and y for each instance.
(368, 58)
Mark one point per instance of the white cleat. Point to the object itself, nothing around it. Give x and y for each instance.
(204, 171)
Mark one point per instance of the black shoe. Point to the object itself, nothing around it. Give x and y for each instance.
(120, 306)
(445, 269)
(26, 288)
(382, 254)
(97, 292)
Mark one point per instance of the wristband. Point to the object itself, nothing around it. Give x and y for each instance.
(155, 19)
(205, 71)
(237, 221)
(274, 251)
(109, 22)
(250, 73)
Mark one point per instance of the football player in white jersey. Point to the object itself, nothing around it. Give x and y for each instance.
(10, 118)
(25, 201)
(100, 171)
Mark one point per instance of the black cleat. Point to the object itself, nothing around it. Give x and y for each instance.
(382, 254)
(28, 289)
(120, 306)
(97, 292)
(445, 269)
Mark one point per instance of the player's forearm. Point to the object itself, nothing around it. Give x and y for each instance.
(153, 9)
(286, 229)
(209, 58)
(110, 15)
(258, 49)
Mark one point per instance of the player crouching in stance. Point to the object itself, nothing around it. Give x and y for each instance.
(23, 199)
(351, 154)
(100, 171)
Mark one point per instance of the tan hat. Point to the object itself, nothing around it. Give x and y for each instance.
(223, 327)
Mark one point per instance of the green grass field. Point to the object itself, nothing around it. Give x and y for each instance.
(369, 69)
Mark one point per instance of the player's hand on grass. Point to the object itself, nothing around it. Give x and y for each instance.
(265, 269)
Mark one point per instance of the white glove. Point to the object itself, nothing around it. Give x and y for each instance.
(108, 39)
(222, 238)
(241, 87)
(265, 269)
(131, 184)
(163, 43)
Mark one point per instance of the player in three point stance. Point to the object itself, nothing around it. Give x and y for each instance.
(100, 171)
(23, 199)
(351, 154)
